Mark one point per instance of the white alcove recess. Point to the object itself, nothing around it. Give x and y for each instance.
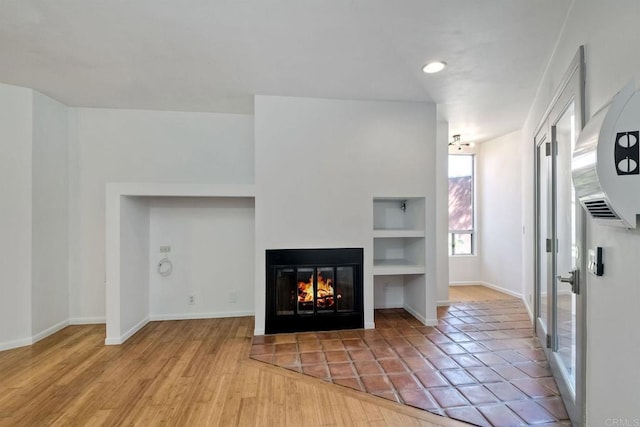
(140, 217)
(399, 255)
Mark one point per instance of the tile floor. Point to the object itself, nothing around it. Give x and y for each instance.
(481, 364)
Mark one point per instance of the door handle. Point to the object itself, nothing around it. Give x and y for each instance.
(573, 280)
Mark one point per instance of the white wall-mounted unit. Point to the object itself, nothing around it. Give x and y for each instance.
(606, 161)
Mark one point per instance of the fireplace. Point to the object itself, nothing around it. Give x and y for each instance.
(314, 290)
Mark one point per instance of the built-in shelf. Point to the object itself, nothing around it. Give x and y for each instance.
(395, 267)
(398, 235)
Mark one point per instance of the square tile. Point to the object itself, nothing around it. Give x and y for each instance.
(337, 356)
(477, 394)
(332, 345)
(392, 366)
(286, 348)
(355, 344)
(555, 407)
(384, 352)
(376, 342)
(490, 359)
(443, 362)
(466, 361)
(505, 391)
(349, 334)
(306, 346)
(509, 372)
(439, 338)
(448, 397)
(357, 355)
(404, 382)
(396, 342)
(429, 350)
(368, 367)
(534, 370)
(328, 336)
(530, 411)
(307, 336)
(285, 338)
(341, 370)
(532, 387)
(407, 352)
(286, 359)
(418, 398)
(417, 340)
(484, 374)
(500, 415)
(431, 378)
(312, 358)
(416, 364)
(468, 414)
(458, 376)
(473, 347)
(377, 383)
(318, 371)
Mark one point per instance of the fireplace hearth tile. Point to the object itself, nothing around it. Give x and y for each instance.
(406, 362)
(312, 358)
(337, 356)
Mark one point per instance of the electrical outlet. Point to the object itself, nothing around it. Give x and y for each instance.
(192, 299)
(233, 297)
(165, 249)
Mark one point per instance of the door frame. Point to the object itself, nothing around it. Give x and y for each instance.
(571, 89)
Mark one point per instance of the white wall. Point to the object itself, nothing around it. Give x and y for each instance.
(609, 32)
(212, 252)
(50, 205)
(500, 222)
(442, 211)
(15, 215)
(388, 291)
(319, 163)
(134, 264)
(140, 146)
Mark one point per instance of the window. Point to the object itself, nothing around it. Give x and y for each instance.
(461, 204)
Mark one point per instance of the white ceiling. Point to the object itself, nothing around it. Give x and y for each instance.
(214, 55)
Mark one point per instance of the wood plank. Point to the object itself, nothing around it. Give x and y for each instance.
(192, 372)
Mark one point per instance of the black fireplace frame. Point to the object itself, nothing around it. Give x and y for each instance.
(310, 258)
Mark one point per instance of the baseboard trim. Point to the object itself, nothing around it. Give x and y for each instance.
(128, 334)
(370, 325)
(10, 345)
(188, 316)
(382, 307)
(488, 285)
(421, 318)
(443, 303)
(467, 283)
(257, 332)
(503, 290)
(528, 309)
(49, 331)
(87, 320)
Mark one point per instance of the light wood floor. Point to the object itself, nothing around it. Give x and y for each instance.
(475, 293)
(177, 373)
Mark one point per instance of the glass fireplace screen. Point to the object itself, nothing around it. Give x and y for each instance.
(309, 290)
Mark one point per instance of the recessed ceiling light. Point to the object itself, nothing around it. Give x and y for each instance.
(434, 67)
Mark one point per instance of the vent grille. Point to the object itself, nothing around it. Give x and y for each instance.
(600, 209)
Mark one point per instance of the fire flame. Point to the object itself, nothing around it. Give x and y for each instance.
(324, 294)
